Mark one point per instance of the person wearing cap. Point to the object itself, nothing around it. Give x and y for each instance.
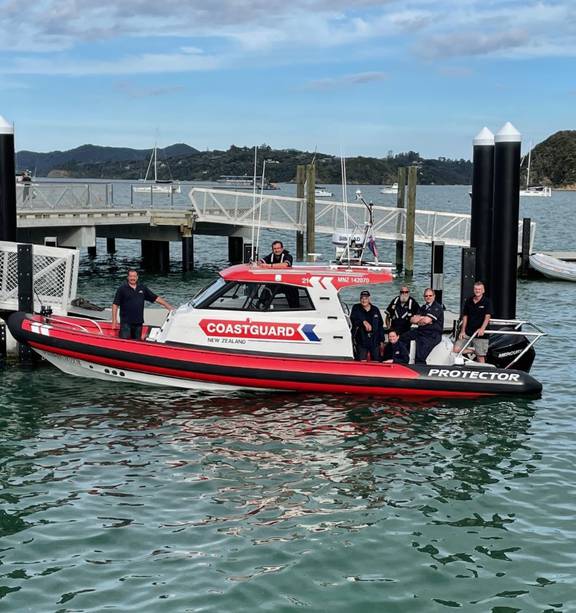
(400, 310)
(367, 329)
(430, 324)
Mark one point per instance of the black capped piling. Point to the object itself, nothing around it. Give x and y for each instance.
(483, 204)
(505, 221)
(7, 182)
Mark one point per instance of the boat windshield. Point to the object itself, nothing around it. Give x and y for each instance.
(208, 291)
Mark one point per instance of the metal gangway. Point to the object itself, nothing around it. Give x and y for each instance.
(55, 277)
(101, 202)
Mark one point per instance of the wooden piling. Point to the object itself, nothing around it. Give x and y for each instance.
(300, 183)
(411, 219)
(310, 211)
(525, 252)
(111, 246)
(437, 270)
(400, 204)
(467, 274)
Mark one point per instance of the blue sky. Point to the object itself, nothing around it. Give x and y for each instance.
(362, 77)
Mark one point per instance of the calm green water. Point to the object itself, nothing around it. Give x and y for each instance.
(139, 499)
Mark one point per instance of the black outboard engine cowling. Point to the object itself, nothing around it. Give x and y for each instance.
(504, 348)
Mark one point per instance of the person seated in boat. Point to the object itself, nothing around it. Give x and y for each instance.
(400, 311)
(367, 329)
(395, 351)
(476, 316)
(429, 322)
(278, 258)
(129, 301)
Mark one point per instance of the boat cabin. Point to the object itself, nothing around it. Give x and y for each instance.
(288, 311)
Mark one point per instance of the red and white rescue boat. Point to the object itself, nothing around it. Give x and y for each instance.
(261, 329)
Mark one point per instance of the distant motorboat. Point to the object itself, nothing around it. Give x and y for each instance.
(552, 267)
(322, 192)
(156, 185)
(390, 189)
(243, 182)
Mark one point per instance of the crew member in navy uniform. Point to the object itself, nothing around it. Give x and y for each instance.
(395, 350)
(367, 328)
(129, 300)
(430, 324)
(400, 310)
(279, 258)
(476, 316)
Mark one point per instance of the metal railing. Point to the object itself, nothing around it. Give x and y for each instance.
(533, 334)
(55, 277)
(239, 208)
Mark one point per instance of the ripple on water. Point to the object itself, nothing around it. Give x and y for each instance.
(160, 500)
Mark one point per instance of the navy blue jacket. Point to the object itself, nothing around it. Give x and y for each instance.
(400, 313)
(434, 329)
(396, 352)
(272, 258)
(373, 316)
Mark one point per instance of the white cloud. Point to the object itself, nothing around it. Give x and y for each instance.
(346, 81)
(221, 32)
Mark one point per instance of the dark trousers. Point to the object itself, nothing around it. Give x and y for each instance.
(373, 351)
(133, 331)
(424, 344)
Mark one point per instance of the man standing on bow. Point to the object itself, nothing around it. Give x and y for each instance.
(129, 300)
(400, 311)
(367, 329)
(430, 324)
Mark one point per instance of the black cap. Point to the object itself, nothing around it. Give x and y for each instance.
(364, 292)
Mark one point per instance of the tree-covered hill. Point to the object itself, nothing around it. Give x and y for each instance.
(554, 161)
(184, 163)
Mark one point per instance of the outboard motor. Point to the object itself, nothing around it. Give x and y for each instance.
(504, 348)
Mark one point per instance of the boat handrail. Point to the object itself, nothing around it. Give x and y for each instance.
(536, 334)
(76, 325)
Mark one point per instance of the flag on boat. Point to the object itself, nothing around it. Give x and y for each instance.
(372, 246)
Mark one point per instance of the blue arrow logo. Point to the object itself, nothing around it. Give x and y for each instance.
(308, 331)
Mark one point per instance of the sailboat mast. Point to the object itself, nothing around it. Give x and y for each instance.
(155, 165)
(528, 173)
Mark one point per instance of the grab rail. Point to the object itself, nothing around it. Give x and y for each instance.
(517, 323)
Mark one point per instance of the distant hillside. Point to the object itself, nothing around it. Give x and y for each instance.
(41, 164)
(554, 160)
(185, 163)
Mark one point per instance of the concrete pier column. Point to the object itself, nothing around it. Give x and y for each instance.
(482, 208)
(156, 255)
(111, 246)
(235, 249)
(7, 182)
(187, 253)
(505, 221)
